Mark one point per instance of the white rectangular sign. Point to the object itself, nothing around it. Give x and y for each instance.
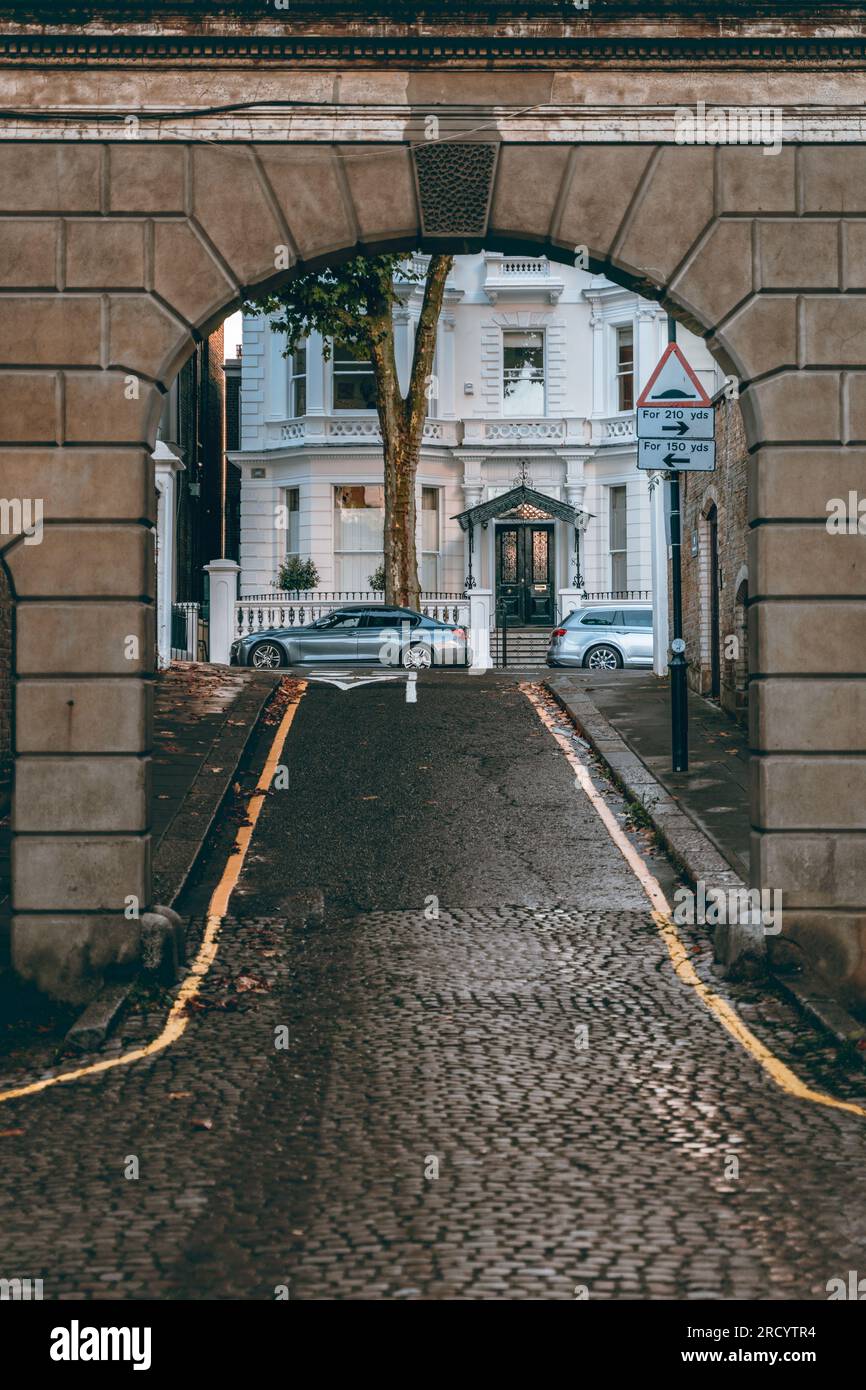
(675, 422)
(697, 455)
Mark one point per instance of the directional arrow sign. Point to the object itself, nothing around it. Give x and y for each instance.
(675, 422)
(694, 455)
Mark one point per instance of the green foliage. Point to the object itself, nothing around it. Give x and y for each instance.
(345, 302)
(376, 580)
(296, 574)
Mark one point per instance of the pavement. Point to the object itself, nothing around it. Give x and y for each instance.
(471, 1073)
(714, 792)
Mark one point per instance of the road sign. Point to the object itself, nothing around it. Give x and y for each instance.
(692, 455)
(673, 382)
(675, 422)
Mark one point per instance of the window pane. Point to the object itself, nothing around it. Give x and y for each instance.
(625, 368)
(617, 518)
(430, 573)
(599, 617)
(640, 617)
(618, 573)
(508, 574)
(523, 373)
(354, 383)
(539, 557)
(430, 518)
(293, 507)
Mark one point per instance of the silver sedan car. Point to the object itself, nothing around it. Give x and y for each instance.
(368, 633)
(603, 639)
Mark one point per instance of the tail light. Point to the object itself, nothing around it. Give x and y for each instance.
(459, 632)
(558, 632)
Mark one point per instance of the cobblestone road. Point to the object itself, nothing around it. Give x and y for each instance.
(419, 1044)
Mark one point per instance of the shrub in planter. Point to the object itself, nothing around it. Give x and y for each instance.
(296, 574)
(376, 580)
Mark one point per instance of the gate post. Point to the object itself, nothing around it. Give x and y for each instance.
(223, 597)
(479, 628)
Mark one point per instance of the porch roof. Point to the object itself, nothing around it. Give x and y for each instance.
(497, 506)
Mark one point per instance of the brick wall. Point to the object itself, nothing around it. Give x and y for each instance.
(726, 491)
(5, 675)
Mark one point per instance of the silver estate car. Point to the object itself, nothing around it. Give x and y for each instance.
(369, 633)
(603, 639)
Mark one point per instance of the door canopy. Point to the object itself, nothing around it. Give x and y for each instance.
(517, 497)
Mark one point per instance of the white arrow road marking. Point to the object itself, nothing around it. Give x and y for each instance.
(412, 688)
(350, 681)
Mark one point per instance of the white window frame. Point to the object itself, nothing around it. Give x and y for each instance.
(342, 410)
(436, 554)
(623, 551)
(513, 329)
(619, 327)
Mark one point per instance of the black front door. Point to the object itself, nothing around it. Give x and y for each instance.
(524, 572)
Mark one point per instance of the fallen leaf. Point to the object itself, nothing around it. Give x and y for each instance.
(179, 1095)
(10, 1133)
(202, 1124)
(368, 798)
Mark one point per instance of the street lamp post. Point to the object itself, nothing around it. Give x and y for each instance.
(678, 664)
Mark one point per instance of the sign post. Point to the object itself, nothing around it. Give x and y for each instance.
(675, 427)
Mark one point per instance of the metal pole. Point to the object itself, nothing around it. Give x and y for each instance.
(678, 666)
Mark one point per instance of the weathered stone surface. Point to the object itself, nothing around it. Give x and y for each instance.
(813, 870)
(146, 177)
(67, 956)
(82, 638)
(307, 187)
(799, 484)
(528, 181)
(68, 873)
(50, 328)
(719, 275)
(116, 407)
(187, 276)
(30, 406)
(82, 716)
(803, 793)
(761, 337)
(106, 484)
(751, 181)
(654, 244)
(788, 560)
(143, 337)
(798, 255)
(38, 176)
(28, 253)
(819, 638)
(83, 795)
(107, 254)
(601, 185)
(834, 330)
(811, 716)
(231, 206)
(85, 562)
(803, 406)
(382, 187)
(834, 178)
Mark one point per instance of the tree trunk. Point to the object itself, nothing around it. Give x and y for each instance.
(402, 425)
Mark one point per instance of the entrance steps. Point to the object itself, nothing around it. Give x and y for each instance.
(526, 647)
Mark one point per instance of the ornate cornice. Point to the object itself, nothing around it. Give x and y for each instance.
(408, 49)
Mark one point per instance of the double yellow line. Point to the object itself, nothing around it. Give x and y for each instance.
(178, 1019)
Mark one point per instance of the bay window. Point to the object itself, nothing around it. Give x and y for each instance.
(359, 523)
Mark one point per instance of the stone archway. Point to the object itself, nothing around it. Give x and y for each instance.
(124, 251)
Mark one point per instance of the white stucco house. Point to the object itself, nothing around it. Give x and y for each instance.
(538, 366)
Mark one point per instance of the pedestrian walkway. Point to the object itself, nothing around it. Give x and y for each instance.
(715, 790)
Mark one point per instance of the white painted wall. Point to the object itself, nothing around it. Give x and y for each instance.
(577, 450)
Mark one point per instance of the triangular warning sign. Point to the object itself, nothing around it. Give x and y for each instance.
(673, 382)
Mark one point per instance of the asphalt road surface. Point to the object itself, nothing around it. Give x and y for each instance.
(442, 1053)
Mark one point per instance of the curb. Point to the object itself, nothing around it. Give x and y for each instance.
(181, 845)
(698, 857)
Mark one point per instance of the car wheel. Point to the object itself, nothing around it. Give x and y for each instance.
(266, 656)
(417, 657)
(602, 659)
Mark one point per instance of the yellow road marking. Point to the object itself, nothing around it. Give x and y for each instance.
(661, 915)
(178, 1018)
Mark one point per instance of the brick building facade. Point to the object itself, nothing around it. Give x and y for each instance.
(715, 567)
